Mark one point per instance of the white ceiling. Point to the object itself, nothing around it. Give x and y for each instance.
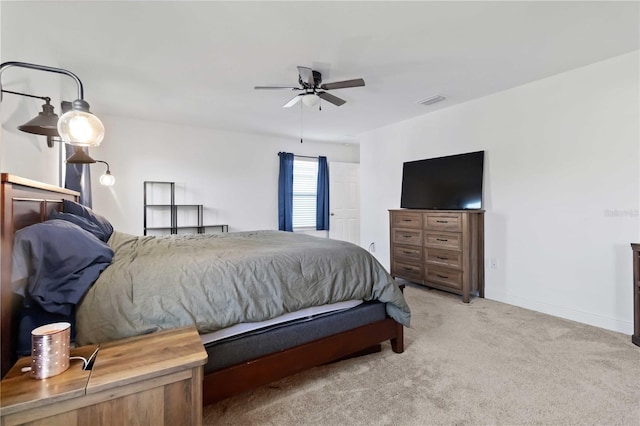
(196, 63)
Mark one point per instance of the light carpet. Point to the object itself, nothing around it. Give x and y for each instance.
(480, 363)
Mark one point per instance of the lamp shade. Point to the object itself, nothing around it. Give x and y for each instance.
(45, 123)
(80, 127)
(310, 99)
(80, 157)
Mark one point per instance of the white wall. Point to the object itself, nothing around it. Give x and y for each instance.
(235, 175)
(561, 187)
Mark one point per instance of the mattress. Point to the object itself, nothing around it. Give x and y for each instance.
(254, 344)
(301, 315)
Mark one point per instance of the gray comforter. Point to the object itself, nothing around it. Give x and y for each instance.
(214, 281)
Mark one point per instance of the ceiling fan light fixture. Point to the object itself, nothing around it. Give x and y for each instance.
(313, 89)
(310, 99)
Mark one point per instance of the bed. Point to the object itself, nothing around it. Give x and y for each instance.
(237, 363)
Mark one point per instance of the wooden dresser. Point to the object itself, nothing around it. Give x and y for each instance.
(636, 294)
(154, 379)
(443, 249)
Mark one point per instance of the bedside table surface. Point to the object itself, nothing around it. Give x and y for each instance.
(139, 358)
(117, 365)
(20, 392)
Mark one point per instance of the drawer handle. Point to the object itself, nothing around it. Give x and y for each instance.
(407, 220)
(407, 268)
(442, 276)
(441, 239)
(408, 252)
(408, 236)
(442, 258)
(442, 221)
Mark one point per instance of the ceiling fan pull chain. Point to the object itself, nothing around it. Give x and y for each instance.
(301, 121)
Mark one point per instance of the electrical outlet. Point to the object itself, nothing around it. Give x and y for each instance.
(493, 263)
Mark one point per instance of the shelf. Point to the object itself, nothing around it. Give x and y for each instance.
(186, 227)
(173, 205)
(225, 228)
(173, 218)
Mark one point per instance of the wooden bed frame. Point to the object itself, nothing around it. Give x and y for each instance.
(26, 202)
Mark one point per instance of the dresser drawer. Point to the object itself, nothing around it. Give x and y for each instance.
(411, 253)
(444, 276)
(443, 221)
(406, 219)
(407, 270)
(443, 240)
(407, 236)
(449, 258)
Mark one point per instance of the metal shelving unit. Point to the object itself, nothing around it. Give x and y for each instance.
(174, 210)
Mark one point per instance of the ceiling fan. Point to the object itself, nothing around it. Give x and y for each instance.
(313, 89)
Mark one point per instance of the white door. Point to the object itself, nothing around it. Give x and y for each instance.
(344, 202)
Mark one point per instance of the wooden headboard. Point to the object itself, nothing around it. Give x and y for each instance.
(24, 202)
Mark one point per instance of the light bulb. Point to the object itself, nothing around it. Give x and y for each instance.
(311, 99)
(80, 128)
(107, 179)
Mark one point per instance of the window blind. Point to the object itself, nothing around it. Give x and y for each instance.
(305, 188)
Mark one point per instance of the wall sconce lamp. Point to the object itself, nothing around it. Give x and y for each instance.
(107, 178)
(45, 123)
(76, 127)
(81, 157)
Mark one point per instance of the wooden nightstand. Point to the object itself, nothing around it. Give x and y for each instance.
(154, 379)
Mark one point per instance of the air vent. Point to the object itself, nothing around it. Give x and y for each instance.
(432, 100)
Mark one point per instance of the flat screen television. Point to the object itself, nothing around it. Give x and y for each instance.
(444, 183)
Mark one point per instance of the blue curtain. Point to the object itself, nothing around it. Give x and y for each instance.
(285, 192)
(78, 177)
(322, 200)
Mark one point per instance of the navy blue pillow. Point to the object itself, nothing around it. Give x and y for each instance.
(82, 222)
(85, 212)
(59, 262)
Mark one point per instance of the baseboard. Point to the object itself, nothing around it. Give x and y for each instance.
(613, 324)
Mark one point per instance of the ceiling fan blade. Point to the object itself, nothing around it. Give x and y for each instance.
(343, 84)
(293, 101)
(306, 75)
(276, 87)
(332, 99)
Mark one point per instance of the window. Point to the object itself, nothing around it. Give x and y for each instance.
(305, 183)
(303, 193)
